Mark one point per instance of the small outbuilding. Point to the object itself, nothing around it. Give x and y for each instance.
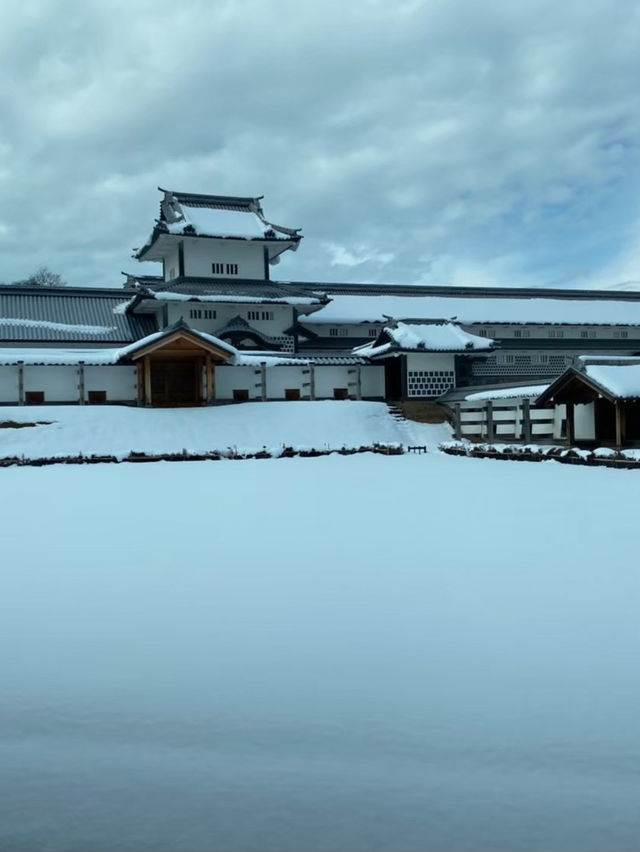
(606, 392)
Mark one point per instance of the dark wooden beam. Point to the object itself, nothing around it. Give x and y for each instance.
(571, 429)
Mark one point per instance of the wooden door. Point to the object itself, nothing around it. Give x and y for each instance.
(175, 384)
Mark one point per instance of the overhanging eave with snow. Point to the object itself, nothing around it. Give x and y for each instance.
(443, 337)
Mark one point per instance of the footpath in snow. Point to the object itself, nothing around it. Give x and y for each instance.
(244, 428)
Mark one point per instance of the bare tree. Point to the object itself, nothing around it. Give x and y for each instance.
(42, 277)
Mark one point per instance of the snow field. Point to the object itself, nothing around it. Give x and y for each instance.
(248, 427)
(341, 653)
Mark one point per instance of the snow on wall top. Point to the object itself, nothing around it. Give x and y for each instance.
(621, 381)
(465, 309)
(530, 391)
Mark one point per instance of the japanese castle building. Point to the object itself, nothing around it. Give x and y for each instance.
(216, 327)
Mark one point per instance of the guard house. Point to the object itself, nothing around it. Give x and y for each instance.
(602, 399)
(424, 359)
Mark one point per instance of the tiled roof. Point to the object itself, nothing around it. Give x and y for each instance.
(424, 337)
(69, 315)
(227, 290)
(219, 216)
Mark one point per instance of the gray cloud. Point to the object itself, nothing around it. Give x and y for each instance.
(473, 143)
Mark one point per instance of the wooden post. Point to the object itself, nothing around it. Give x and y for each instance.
(140, 377)
(147, 380)
(457, 421)
(525, 431)
(210, 378)
(359, 382)
(263, 381)
(619, 425)
(490, 424)
(571, 429)
(20, 382)
(81, 382)
(312, 381)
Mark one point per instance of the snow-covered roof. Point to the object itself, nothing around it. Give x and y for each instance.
(68, 315)
(622, 382)
(107, 356)
(424, 337)
(471, 309)
(221, 216)
(530, 391)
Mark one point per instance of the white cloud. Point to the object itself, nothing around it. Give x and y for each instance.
(445, 137)
(342, 256)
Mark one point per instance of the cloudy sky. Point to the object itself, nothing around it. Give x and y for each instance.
(434, 141)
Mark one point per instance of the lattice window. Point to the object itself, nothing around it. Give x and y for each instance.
(429, 382)
(522, 365)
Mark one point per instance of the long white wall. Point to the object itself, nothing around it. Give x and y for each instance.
(120, 382)
(59, 384)
(62, 383)
(9, 384)
(279, 379)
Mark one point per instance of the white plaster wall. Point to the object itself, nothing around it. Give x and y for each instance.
(281, 378)
(430, 361)
(9, 384)
(199, 254)
(60, 384)
(228, 379)
(171, 261)
(282, 316)
(120, 382)
(344, 329)
(584, 422)
(373, 384)
(328, 378)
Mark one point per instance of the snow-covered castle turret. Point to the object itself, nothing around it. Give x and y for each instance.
(215, 236)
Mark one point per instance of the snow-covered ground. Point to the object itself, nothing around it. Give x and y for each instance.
(249, 427)
(341, 653)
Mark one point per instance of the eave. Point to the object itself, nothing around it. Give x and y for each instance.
(554, 393)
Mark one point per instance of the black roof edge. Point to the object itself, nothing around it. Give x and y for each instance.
(200, 197)
(114, 292)
(571, 373)
(364, 289)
